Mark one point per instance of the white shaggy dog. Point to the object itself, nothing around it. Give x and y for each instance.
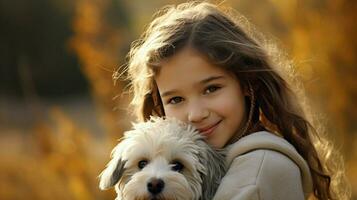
(163, 159)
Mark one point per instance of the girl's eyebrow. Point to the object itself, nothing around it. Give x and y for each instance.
(204, 81)
(209, 79)
(168, 93)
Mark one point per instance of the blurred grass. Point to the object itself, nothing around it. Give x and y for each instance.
(53, 156)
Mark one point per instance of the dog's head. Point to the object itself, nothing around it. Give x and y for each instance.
(163, 159)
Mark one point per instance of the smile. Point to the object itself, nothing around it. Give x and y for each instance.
(207, 131)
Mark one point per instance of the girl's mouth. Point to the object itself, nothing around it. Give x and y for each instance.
(207, 131)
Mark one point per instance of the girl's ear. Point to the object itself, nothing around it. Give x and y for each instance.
(113, 171)
(246, 90)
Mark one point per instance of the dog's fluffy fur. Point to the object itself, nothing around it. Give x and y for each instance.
(163, 159)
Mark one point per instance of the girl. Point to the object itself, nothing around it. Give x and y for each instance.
(195, 62)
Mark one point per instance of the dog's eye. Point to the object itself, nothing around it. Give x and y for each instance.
(142, 164)
(177, 166)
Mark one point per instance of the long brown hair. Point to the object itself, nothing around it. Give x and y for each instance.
(228, 42)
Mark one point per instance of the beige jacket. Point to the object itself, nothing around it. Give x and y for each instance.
(263, 166)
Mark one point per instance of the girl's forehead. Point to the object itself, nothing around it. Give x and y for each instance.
(188, 68)
(189, 60)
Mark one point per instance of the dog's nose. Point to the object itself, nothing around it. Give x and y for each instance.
(155, 186)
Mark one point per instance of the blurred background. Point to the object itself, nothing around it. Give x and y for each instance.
(61, 113)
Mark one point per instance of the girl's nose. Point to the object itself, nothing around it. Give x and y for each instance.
(197, 113)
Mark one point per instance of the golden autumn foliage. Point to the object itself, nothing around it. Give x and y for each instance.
(97, 45)
(60, 159)
(57, 161)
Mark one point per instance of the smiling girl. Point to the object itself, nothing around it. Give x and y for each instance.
(197, 63)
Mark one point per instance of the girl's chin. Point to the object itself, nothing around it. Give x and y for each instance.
(215, 142)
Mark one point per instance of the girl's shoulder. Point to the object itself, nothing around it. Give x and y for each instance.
(263, 163)
(262, 174)
(264, 140)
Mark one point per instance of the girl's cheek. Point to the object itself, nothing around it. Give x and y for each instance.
(176, 113)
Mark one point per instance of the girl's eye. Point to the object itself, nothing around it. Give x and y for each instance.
(175, 100)
(211, 89)
(177, 166)
(142, 164)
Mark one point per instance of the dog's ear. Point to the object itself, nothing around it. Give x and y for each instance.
(114, 170)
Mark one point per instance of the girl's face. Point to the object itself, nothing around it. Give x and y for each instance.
(204, 95)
